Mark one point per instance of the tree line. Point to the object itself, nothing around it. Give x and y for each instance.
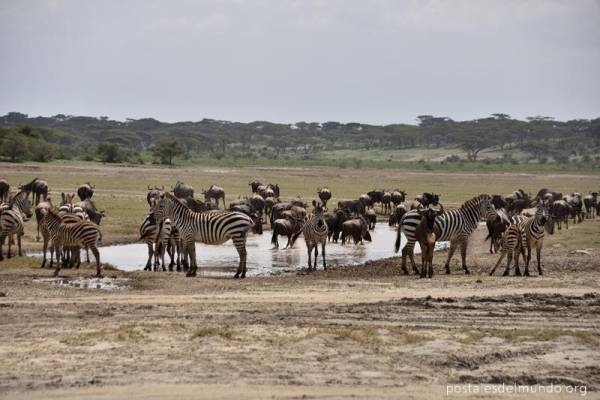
(543, 138)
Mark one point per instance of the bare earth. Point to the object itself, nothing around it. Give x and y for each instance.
(364, 331)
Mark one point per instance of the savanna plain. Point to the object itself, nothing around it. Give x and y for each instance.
(363, 331)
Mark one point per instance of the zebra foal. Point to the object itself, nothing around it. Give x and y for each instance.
(512, 245)
(315, 233)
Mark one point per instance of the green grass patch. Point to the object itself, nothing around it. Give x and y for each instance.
(222, 331)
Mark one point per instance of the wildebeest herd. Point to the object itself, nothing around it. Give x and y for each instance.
(516, 223)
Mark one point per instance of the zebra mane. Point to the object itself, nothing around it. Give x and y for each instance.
(20, 194)
(475, 200)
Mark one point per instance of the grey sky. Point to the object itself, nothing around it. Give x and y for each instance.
(286, 61)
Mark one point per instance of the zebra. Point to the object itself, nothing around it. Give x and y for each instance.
(454, 225)
(68, 218)
(211, 227)
(533, 231)
(512, 244)
(315, 232)
(81, 234)
(167, 240)
(12, 219)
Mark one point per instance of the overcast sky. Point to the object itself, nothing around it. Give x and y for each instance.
(286, 61)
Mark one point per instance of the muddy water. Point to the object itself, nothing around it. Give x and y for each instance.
(262, 258)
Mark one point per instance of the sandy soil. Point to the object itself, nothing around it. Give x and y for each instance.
(363, 331)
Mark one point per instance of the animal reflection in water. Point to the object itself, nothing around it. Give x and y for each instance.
(262, 259)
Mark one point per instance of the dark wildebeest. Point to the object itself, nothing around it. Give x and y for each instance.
(576, 203)
(496, 222)
(386, 200)
(398, 196)
(269, 203)
(354, 206)
(258, 203)
(376, 196)
(358, 228)
(515, 206)
(334, 222)
(324, 195)
(85, 191)
(183, 191)
(371, 217)
(295, 212)
(366, 200)
(285, 227)
(277, 211)
(214, 192)
(560, 211)
(591, 202)
(298, 202)
(275, 188)
(4, 190)
(426, 236)
(154, 194)
(38, 188)
(254, 185)
(396, 216)
(90, 208)
(425, 200)
(498, 201)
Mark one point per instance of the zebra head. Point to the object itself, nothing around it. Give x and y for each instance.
(318, 214)
(544, 218)
(485, 205)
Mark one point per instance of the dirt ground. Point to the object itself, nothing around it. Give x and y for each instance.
(355, 332)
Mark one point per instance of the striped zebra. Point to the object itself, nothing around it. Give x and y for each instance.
(12, 219)
(68, 235)
(454, 225)
(315, 232)
(161, 236)
(533, 231)
(210, 227)
(512, 244)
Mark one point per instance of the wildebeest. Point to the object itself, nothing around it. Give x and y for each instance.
(90, 208)
(371, 217)
(376, 196)
(285, 227)
(269, 203)
(398, 196)
(497, 221)
(39, 189)
(183, 191)
(196, 205)
(426, 236)
(498, 201)
(354, 206)
(254, 185)
(591, 202)
(425, 200)
(4, 190)
(85, 191)
(324, 195)
(386, 200)
(258, 203)
(216, 193)
(334, 222)
(366, 200)
(561, 211)
(358, 228)
(396, 216)
(154, 194)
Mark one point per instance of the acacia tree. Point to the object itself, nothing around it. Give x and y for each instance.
(166, 149)
(14, 147)
(473, 144)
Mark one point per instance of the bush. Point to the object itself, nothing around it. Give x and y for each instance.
(111, 153)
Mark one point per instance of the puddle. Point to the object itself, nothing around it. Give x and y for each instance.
(262, 259)
(87, 283)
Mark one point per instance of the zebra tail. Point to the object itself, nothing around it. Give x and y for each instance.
(398, 237)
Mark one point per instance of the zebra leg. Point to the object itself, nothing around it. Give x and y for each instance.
(2, 239)
(498, 262)
(240, 245)
(423, 262)
(58, 260)
(150, 253)
(96, 254)
(516, 257)
(51, 255)
(87, 254)
(323, 252)
(163, 247)
(171, 251)
(76, 253)
(404, 254)
(526, 273)
(19, 235)
(538, 253)
(453, 245)
(463, 254)
(508, 260)
(191, 251)
(37, 237)
(309, 250)
(411, 255)
(316, 257)
(10, 242)
(45, 249)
